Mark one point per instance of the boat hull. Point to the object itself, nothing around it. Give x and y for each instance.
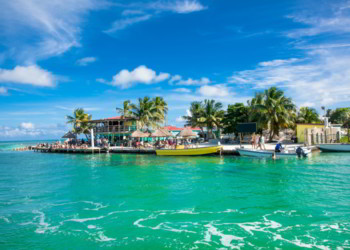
(189, 151)
(263, 153)
(334, 147)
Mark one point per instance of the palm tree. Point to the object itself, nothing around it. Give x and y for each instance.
(145, 112)
(192, 120)
(207, 114)
(80, 121)
(212, 115)
(255, 111)
(274, 109)
(125, 111)
(308, 115)
(161, 108)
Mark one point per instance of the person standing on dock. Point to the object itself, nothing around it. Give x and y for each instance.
(253, 141)
(262, 142)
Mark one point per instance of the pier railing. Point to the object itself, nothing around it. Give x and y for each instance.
(114, 129)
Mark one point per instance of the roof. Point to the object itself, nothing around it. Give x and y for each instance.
(187, 132)
(174, 128)
(161, 133)
(139, 134)
(113, 118)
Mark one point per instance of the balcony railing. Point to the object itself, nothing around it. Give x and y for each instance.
(115, 129)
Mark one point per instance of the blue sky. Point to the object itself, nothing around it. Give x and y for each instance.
(59, 55)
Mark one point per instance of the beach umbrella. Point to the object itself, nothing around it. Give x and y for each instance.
(138, 134)
(187, 132)
(161, 133)
(69, 135)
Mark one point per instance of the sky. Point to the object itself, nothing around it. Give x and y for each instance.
(59, 55)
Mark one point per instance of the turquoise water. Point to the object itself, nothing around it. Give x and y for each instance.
(64, 201)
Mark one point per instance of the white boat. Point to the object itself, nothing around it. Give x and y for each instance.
(334, 147)
(266, 153)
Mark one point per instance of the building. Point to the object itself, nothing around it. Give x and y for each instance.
(301, 129)
(115, 129)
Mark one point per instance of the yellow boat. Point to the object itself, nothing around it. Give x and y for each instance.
(189, 151)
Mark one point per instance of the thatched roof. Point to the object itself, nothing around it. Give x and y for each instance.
(162, 133)
(69, 135)
(187, 132)
(138, 134)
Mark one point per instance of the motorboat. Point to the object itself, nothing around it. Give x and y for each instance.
(286, 153)
(334, 147)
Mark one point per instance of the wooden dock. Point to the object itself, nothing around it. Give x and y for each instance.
(70, 150)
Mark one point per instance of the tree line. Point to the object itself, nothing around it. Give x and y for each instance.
(270, 109)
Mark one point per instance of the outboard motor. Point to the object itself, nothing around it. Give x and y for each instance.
(300, 152)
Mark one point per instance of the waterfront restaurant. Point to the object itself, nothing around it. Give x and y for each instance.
(115, 129)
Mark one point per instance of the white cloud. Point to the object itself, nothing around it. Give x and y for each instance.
(132, 12)
(124, 23)
(54, 25)
(181, 7)
(182, 90)
(29, 131)
(336, 21)
(32, 75)
(180, 119)
(278, 62)
(145, 11)
(190, 81)
(219, 90)
(72, 108)
(101, 80)
(175, 78)
(3, 91)
(86, 60)
(322, 79)
(322, 76)
(27, 125)
(307, 104)
(125, 78)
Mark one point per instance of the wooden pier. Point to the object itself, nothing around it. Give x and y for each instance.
(71, 150)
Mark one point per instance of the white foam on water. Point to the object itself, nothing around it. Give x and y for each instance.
(185, 212)
(225, 239)
(166, 227)
(97, 205)
(285, 229)
(125, 211)
(335, 226)
(5, 219)
(140, 239)
(86, 219)
(26, 223)
(103, 237)
(91, 226)
(43, 226)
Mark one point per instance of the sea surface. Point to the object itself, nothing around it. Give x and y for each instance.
(67, 201)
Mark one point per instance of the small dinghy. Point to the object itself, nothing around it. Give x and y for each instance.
(298, 152)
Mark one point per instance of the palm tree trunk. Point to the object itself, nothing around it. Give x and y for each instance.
(348, 131)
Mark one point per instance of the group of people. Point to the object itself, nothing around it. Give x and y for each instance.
(166, 144)
(258, 141)
(72, 143)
